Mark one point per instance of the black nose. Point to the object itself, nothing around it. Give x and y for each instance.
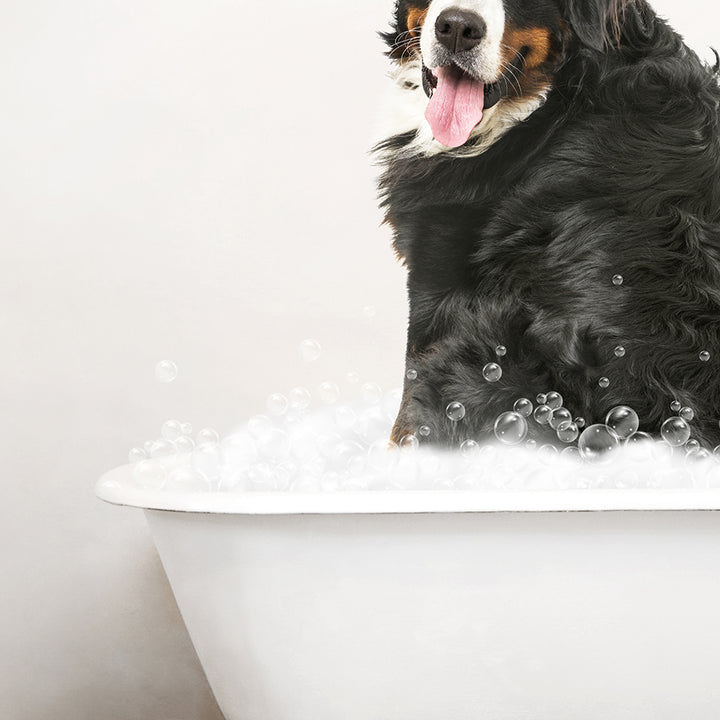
(459, 29)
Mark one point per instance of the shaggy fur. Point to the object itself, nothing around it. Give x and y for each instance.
(616, 173)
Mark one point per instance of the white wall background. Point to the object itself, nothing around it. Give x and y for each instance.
(178, 180)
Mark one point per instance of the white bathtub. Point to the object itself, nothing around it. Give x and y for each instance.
(513, 605)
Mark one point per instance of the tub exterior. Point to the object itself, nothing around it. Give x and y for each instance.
(450, 615)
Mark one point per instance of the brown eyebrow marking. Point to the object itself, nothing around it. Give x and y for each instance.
(415, 20)
(537, 40)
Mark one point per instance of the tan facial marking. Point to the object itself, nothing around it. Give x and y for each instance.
(537, 40)
(415, 20)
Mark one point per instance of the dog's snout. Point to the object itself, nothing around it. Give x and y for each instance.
(459, 29)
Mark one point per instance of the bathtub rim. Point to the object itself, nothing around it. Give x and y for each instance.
(117, 487)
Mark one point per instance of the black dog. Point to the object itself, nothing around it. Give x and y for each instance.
(568, 209)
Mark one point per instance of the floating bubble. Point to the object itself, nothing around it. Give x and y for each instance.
(171, 430)
(424, 430)
(604, 382)
(540, 398)
(469, 448)
(371, 393)
(570, 452)
(704, 356)
(184, 444)
(208, 436)
(531, 444)
(511, 428)
(258, 426)
(409, 442)
(619, 351)
(523, 406)
(675, 405)
(559, 416)
(692, 446)
(149, 474)
(580, 421)
(353, 377)
(329, 393)
(345, 417)
(455, 411)
(553, 400)
(161, 448)
(687, 413)
(567, 431)
(492, 372)
(299, 398)
(675, 431)
(547, 452)
(166, 371)
(623, 421)
(136, 455)
(501, 351)
(411, 374)
(617, 280)
(309, 350)
(639, 437)
(597, 442)
(277, 404)
(369, 312)
(542, 414)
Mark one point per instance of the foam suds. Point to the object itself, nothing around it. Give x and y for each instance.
(344, 447)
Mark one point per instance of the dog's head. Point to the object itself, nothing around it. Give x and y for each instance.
(473, 55)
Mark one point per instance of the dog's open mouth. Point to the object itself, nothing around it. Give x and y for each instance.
(457, 101)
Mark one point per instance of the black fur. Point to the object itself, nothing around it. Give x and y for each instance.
(617, 173)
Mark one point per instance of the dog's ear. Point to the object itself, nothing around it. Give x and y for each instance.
(596, 23)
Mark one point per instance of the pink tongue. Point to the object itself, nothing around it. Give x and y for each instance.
(455, 107)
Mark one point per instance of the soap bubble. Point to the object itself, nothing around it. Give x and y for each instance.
(617, 279)
(277, 404)
(492, 372)
(559, 416)
(309, 350)
(580, 421)
(372, 393)
(542, 414)
(187, 479)
(166, 371)
(353, 377)
(675, 431)
(208, 436)
(161, 448)
(136, 454)
(369, 312)
(540, 398)
(171, 430)
(469, 448)
(553, 400)
(687, 413)
(184, 444)
(299, 398)
(603, 382)
(567, 431)
(258, 426)
(531, 444)
(675, 405)
(455, 411)
(571, 452)
(619, 351)
(409, 442)
(704, 356)
(692, 446)
(511, 428)
(623, 421)
(424, 430)
(523, 406)
(329, 393)
(411, 374)
(501, 351)
(275, 445)
(597, 442)
(149, 474)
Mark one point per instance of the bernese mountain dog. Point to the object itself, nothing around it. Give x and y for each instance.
(553, 186)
